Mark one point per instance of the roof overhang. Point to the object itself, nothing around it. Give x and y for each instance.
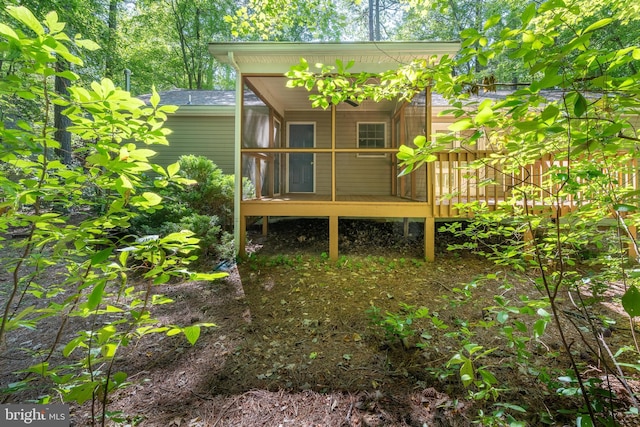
(279, 57)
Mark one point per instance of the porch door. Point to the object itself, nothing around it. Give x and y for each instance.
(301, 165)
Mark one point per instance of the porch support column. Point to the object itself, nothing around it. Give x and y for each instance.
(242, 253)
(333, 238)
(430, 238)
(239, 222)
(333, 157)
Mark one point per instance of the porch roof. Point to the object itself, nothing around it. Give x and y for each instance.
(278, 57)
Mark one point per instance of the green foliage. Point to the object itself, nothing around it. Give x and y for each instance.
(399, 325)
(273, 20)
(67, 261)
(204, 206)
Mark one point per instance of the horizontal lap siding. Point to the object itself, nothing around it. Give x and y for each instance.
(209, 136)
(361, 175)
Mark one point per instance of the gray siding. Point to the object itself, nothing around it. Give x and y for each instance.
(200, 135)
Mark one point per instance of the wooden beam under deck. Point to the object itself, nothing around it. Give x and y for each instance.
(338, 208)
(365, 207)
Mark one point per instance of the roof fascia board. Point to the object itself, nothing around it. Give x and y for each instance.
(273, 53)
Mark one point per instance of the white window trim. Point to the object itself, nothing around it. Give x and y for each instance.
(386, 139)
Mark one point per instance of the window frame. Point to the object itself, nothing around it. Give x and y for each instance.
(385, 139)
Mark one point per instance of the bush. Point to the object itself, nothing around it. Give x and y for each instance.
(205, 207)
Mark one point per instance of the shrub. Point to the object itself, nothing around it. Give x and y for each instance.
(205, 207)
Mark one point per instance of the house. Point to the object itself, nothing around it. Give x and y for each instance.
(333, 163)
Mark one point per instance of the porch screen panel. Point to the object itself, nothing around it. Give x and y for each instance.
(256, 167)
(363, 172)
(415, 186)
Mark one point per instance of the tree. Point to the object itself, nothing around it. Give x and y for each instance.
(166, 44)
(69, 217)
(281, 20)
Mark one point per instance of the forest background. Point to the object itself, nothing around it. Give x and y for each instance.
(164, 42)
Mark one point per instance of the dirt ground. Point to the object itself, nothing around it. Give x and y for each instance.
(294, 342)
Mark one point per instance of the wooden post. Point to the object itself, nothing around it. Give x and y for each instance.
(333, 158)
(265, 225)
(429, 239)
(242, 252)
(333, 238)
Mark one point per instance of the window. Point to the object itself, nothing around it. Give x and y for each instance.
(372, 135)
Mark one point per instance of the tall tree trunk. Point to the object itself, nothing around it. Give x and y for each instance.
(60, 121)
(184, 48)
(197, 61)
(110, 62)
(377, 20)
(371, 33)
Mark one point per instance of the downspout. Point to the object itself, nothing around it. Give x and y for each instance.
(237, 194)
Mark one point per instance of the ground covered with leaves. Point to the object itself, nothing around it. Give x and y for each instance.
(300, 340)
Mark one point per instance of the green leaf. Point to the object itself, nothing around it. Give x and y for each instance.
(539, 327)
(550, 113)
(528, 14)
(596, 25)
(82, 393)
(109, 350)
(173, 169)
(461, 125)
(623, 207)
(483, 116)
(631, 301)
(192, 333)
(72, 345)
(96, 295)
(8, 32)
(502, 316)
(155, 98)
(25, 16)
(119, 377)
(580, 105)
(101, 256)
(87, 44)
(466, 373)
(492, 21)
(174, 331)
(152, 198)
(420, 141)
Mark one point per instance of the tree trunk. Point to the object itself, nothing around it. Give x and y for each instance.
(60, 121)
(110, 62)
(371, 34)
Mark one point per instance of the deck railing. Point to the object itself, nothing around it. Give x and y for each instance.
(470, 176)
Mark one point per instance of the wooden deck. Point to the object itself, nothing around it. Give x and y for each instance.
(449, 181)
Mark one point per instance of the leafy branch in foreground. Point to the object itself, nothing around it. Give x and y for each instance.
(70, 267)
